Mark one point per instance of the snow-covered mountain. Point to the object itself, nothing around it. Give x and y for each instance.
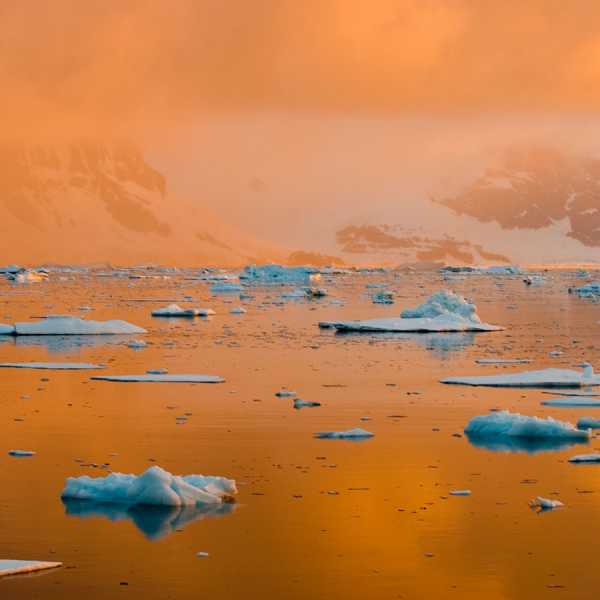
(89, 202)
(530, 205)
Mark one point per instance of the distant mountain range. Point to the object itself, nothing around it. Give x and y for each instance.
(89, 202)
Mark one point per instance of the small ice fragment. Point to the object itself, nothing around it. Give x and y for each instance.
(545, 503)
(202, 554)
(151, 378)
(460, 493)
(588, 423)
(21, 453)
(238, 310)
(16, 567)
(157, 371)
(285, 394)
(136, 344)
(298, 403)
(585, 458)
(356, 433)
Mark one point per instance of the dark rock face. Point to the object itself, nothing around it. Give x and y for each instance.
(385, 239)
(532, 188)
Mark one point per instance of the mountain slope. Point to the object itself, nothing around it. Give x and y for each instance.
(89, 202)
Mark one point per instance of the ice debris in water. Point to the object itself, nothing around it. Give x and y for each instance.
(67, 325)
(460, 493)
(285, 394)
(174, 310)
(136, 344)
(507, 424)
(299, 403)
(160, 378)
(21, 453)
(383, 297)
(585, 458)
(550, 378)
(56, 366)
(589, 289)
(349, 434)
(238, 310)
(226, 287)
(572, 401)
(278, 274)
(7, 329)
(588, 423)
(545, 503)
(444, 311)
(18, 567)
(155, 487)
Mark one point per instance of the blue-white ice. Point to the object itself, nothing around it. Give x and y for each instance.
(546, 378)
(18, 567)
(588, 423)
(52, 366)
(154, 487)
(506, 424)
(277, 275)
(585, 458)
(67, 325)
(573, 401)
(349, 434)
(160, 378)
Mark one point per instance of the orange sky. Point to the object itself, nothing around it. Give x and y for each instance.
(142, 62)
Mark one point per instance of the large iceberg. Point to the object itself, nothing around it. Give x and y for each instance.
(18, 567)
(506, 424)
(154, 487)
(546, 378)
(443, 311)
(66, 325)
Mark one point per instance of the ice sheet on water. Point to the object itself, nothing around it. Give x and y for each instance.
(572, 401)
(545, 378)
(155, 487)
(160, 378)
(54, 366)
(277, 274)
(17, 567)
(588, 423)
(585, 458)
(349, 434)
(67, 325)
(506, 424)
(6, 329)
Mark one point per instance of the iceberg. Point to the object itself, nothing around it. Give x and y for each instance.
(226, 288)
(546, 378)
(299, 403)
(66, 325)
(443, 312)
(18, 567)
(55, 366)
(460, 493)
(349, 434)
(174, 310)
(154, 487)
(6, 329)
(585, 458)
(587, 290)
(21, 453)
(160, 378)
(506, 424)
(383, 297)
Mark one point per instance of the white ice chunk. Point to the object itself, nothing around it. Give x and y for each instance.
(66, 325)
(543, 378)
(160, 378)
(21, 453)
(503, 361)
(174, 310)
(588, 423)
(6, 329)
(507, 424)
(299, 403)
(572, 401)
(545, 503)
(460, 493)
(585, 458)
(136, 344)
(57, 366)
(154, 487)
(238, 310)
(17, 567)
(349, 434)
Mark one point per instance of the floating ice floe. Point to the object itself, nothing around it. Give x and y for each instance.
(6, 329)
(154, 487)
(18, 567)
(444, 311)
(383, 297)
(588, 423)
(545, 503)
(572, 401)
(585, 458)
(589, 289)
(278, 275)
(21, 453)
(174, 310)
(285, 394)
(299, 403)
(503, 361)
(349, 434)
(238, 310)
(55, 366)
(136, 344)
(460, 493)
(27, 276)
(160, 378)
(506, 424)
(546, 378)
(67, 325)
(226, 288)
